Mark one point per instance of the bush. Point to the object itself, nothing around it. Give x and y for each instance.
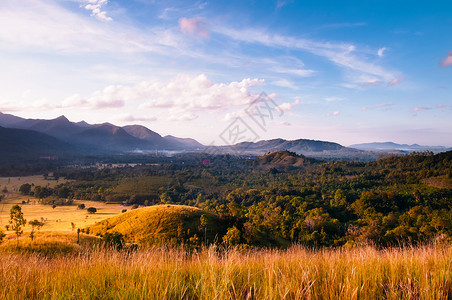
(115, 239)
(81, 206)
(92, 210)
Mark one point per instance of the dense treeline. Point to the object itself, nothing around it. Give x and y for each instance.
(395, 199)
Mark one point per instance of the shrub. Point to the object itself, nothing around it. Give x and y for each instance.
(92, 210)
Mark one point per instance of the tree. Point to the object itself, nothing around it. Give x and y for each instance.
(91, 210)
(115, 239)
(2, 235)
(25, 189)
(34, 224)
(203, 225)
(16, 221)
(232, 237)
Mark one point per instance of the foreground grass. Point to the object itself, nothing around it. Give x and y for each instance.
(296, 273)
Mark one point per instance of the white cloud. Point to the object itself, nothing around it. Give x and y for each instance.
(287, 106)
(183, 96)
(95, 7)
(381, 51)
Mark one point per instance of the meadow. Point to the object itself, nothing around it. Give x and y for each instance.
(58, 218)
(211, 273)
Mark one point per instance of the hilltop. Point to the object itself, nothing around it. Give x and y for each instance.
(162, 224)
(282, 159)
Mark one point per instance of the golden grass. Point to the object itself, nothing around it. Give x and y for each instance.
(50, 243)
(160, 223)
(296, 273)
(60, 217)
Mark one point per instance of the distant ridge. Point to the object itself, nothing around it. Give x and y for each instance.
(387, 146)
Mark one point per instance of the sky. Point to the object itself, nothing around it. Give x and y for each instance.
(342, 71)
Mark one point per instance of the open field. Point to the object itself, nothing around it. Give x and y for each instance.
(58, 218)
(296, 273)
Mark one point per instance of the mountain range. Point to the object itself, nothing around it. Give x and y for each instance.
(61, 137)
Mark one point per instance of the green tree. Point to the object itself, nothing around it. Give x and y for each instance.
(25, 189)
(232, 236)
(16, 221)
(34, 224)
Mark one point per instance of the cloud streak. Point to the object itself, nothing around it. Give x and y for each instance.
(342, 54)
(447, 61)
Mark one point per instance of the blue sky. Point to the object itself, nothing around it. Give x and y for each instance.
(343, 71)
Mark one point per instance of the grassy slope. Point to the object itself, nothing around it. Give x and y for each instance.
(296, 273)
(49, 243)
(160, 223)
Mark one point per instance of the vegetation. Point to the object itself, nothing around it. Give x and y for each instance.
(296, 273)
(16, 221)
(164, 224)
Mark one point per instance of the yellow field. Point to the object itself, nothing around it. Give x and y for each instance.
(58, 218)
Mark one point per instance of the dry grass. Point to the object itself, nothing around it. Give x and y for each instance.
(296, 273)
(60, 217)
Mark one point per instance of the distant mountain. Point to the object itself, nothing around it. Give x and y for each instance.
(183, 143)
(29, 144)
(281, 159)
(7, 120)
(143, 133)
(300, 146)
(60, 127)
(101, 137)
(107, 137)
(388, 146)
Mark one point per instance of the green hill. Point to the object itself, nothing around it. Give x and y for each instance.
(169, 224)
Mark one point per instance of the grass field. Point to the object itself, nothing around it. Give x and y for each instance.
(296, 273)
(58, 218)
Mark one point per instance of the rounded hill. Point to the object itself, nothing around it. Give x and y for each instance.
(282, 158)
(160, 224)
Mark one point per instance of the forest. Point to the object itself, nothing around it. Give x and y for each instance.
(395, 200)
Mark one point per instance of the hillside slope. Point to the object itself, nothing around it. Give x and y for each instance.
(162, 224)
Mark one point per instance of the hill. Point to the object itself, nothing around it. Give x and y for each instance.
(162, 224)
(282, 159)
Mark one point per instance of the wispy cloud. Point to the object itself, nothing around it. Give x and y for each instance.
(396, 80)
(194, 26)
(420, 108)
(344, 55)
(331, 99)
(386, 106)
(333, 114)
(447, 61)
(285, 83)
(132, 118)
(44, 26)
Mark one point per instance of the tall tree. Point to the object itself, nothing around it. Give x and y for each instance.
(17, 221)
